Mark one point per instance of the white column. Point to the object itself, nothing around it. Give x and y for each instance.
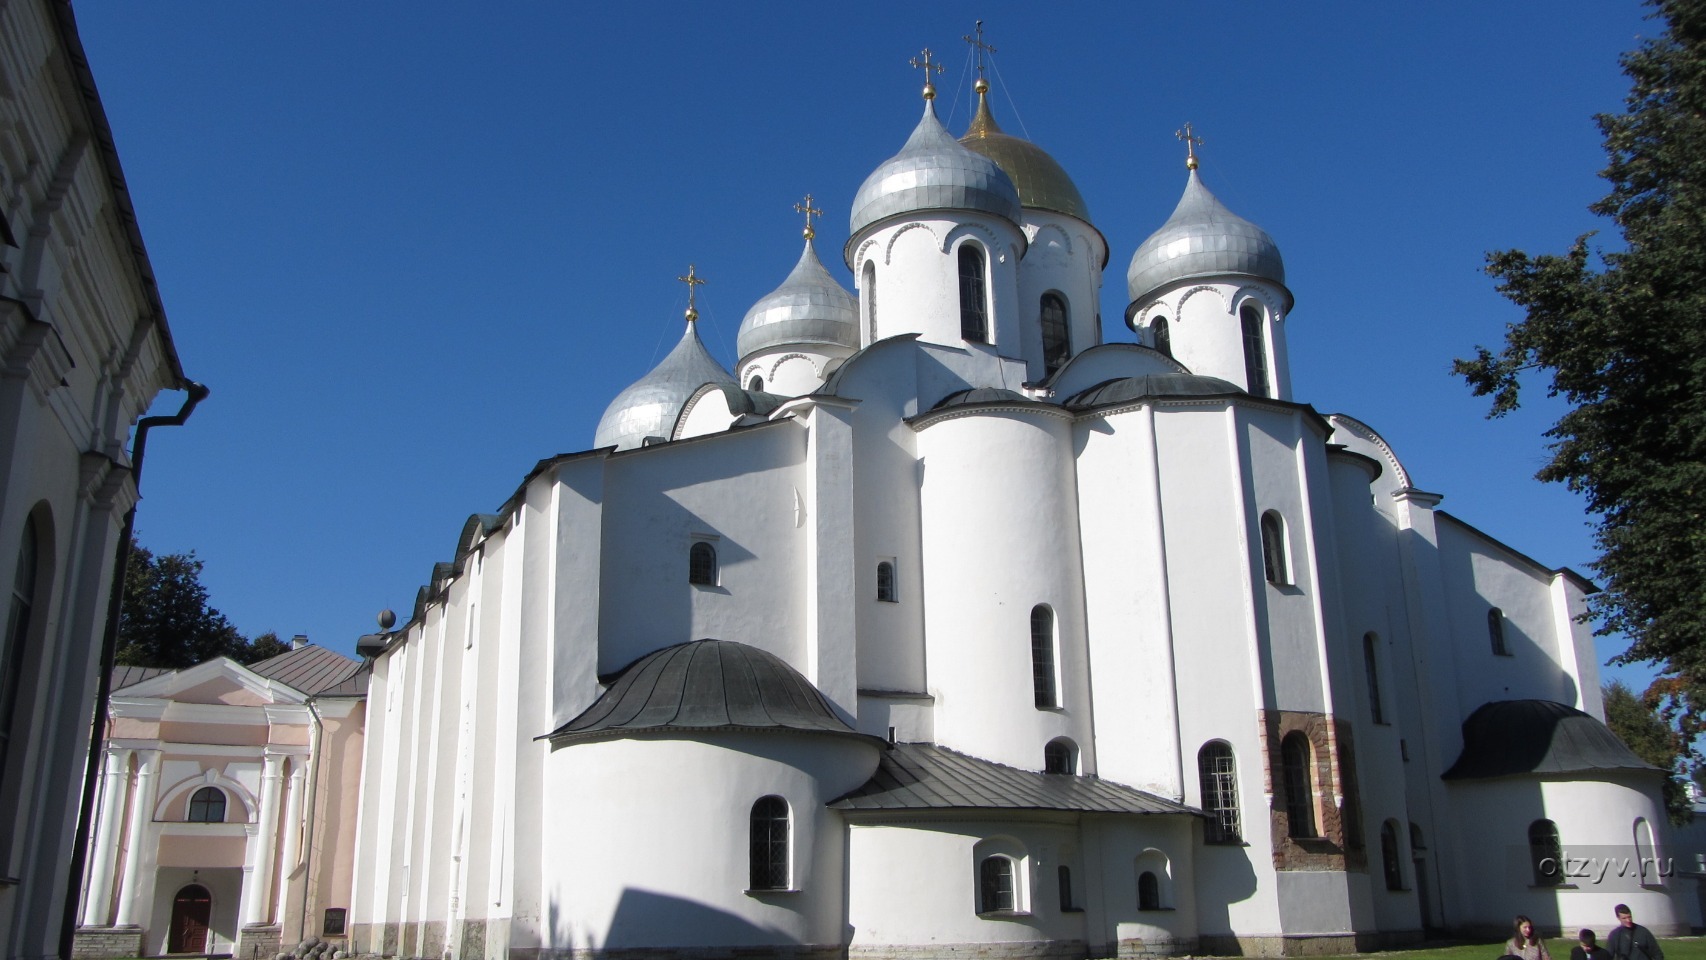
(141, 815)
(287, 852)
(257, 888)
(97, 902)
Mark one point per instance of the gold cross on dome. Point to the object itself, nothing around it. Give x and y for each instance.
(975, 38)
(692, 280)
(810, 211)
(927, 66)
(1192, 141)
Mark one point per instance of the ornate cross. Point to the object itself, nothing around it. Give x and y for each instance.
(927, 66)
(975, 38)
(810, 211)
(692, 280)
(1192, 141)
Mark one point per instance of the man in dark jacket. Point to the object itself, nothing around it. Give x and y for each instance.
(1631, 941)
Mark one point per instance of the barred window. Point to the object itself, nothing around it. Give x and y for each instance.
(1218, 773)
(974, 310)
(702, 564)
(1042, 657)
(885, 583)
(769, 853)
(1060, 756)
(1255, 351)
(1057, 338)
(1162, 334)
(1148, 891)
(995, 890)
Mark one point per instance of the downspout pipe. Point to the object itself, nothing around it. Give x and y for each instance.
(109, 652)
(307, 858)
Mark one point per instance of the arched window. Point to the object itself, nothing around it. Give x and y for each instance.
(1645, 859)
(1389, 855)
(1064, 873)
(1297, 759)
(207, 805)
(769, 849)
(1057, 340)
(1060, 755)
(1042, 657)
(756, 384)
(995, 889)
(868, 298)
(1546, 853)
(1162, 335)
(1218, 775)
(21, 617)
(1274, 567)
(1255, 351)
(1496, 631)
(885, 583)
(1148, 891)
(1416, 844)
(974, 308)
(702, 564)
(1371, 666)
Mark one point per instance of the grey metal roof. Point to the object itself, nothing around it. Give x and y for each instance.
(1510, 737)
(1040, 179)
(933, 171)
(124, 676)
(702, 686)
(649, 405)
(308, 668)
(963, 398)
(924, 776)
(1126, 389)
(809, 307)
(1202, 238)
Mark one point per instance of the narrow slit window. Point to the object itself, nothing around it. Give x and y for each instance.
(1371, 665)
(1255, 351)
(1389, 856)
(868, 296)
(1297, 759)
(1162, 334)
(1057, 338)
(974, 309)
(1274, 566)
(1042, 657)
(769, 853)
(886, 591)
(1496, 632)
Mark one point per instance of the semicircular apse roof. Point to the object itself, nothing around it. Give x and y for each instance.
(1511, 737)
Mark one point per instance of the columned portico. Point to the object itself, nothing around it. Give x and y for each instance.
(258, 868)
(131, 907)
(115, 786)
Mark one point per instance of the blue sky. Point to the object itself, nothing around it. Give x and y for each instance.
(416, 247)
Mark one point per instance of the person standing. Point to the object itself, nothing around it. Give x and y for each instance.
(1631, 941)
(1588, 947)
(1526, 944)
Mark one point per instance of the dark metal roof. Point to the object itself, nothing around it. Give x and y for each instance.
(1126, 389)
(963, 398)
(923, 776)
(124, 676)
(706, 685)
(309, 668)
(1510, 737)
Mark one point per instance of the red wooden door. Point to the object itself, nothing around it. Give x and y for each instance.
(191, 910)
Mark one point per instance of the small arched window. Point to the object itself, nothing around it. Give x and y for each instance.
(1255, 351)
(1042, 657)
(1416, 844)
(1297, 758)
(1218, 776)
(886, 591)
(1389, 855)
(1064, 873)
(1274, 566)
(1371, 667)
(756, 384)
(996, 892)
(20, 618)
(868, 299)
(702, 564)
(1057, 338)
(769, 849)
(1546, 853)
(1496, 631)
(974, 307)
(207, 805)
(1060, 755)
(1148, 891)
(1162, 335)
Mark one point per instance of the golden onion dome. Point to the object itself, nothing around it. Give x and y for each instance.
(1042, 183)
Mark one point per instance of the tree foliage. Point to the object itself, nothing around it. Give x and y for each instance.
(1622, 337)
(1637, 722)
(165, 620)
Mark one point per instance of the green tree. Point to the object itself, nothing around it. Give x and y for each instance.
(1621, 335)
(165, 620)
(1637, 723)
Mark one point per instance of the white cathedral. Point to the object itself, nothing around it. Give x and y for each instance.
(942, 628)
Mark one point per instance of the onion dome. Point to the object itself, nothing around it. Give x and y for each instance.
(649, 406)
(809, 307)
(703, 686)
(934, 172)
(1040, 180)
(1202, 239)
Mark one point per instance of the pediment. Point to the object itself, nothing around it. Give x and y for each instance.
(221, 681)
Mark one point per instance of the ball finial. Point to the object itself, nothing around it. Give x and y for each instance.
(982, 85)
(387, 619)
(692, 314)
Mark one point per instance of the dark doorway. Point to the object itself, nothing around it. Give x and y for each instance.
(191, 910)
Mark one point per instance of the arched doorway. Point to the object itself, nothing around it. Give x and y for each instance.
(191, 910)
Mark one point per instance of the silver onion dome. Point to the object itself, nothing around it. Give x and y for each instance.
(1202, 238)
(934, 172)
(809, 307)
(649, 406)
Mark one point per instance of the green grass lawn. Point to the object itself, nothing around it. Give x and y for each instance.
(1675, 948)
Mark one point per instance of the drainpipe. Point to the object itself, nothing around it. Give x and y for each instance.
(308, 826)
(109, 652)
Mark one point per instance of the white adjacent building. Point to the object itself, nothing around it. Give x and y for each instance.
(940, 627)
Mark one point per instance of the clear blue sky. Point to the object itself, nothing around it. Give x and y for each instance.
(415, 247)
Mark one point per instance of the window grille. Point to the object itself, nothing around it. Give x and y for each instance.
(702, 564)
(769, 855)
(1218, 775)
(974, 310)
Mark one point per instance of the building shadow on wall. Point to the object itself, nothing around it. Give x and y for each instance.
(1233, 881)
(647, 919)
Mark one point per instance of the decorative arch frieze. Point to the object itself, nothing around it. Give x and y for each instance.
(1363, 431)
(210, 777)
(1049, 239)
(888, 251)
(784, 358)
(1202, 288)
(991, 243)
(859, 256)
(1275, 307)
